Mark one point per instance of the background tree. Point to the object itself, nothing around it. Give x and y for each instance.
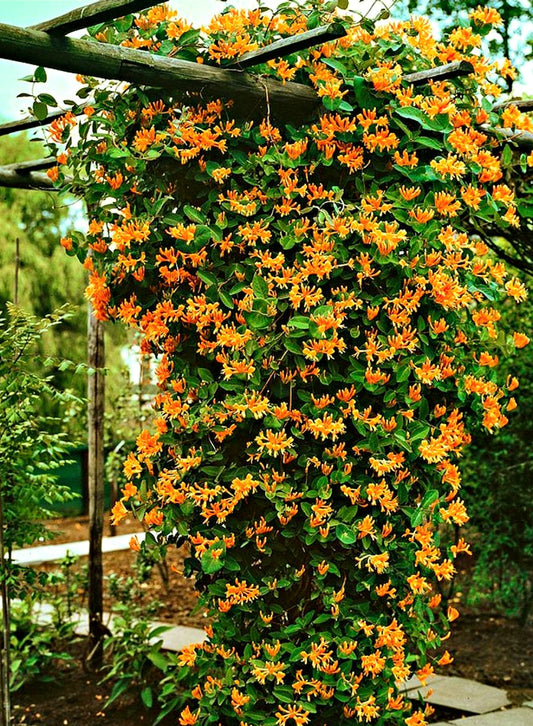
(42, 279)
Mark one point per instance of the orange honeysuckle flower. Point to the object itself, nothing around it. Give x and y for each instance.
(297, 713)
(187, 717)
(520, 340)
(118, 512)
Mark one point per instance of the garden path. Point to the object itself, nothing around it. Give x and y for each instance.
(56, 552)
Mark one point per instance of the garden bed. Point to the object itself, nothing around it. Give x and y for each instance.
(486, 647)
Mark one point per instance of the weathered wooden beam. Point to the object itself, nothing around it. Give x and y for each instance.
(523, 105)
(99, 12)
(286, 46)
(28, 122)
(26, 167)
(440, 73)
(253, 97)
(26, 180)
(523, 139)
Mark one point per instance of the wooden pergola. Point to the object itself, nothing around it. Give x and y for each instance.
(48, 45)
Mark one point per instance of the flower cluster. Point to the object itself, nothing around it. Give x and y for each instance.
(323, 319)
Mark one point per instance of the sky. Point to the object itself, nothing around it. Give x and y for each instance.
(62, 85)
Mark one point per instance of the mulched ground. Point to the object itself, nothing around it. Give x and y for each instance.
(487, 648)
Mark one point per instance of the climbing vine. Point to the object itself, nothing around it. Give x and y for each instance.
(324, 323)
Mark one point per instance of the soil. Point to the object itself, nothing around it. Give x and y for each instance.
(488, 648)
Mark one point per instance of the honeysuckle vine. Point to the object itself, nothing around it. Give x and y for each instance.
(327, 337)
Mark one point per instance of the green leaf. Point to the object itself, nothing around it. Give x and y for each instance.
(430, 143)
(430, 496)
(193, 214)
(260, 287)
(40, 110)
(441, 122)
(47, 98)
(118, 690)
(257, 321)
(285, 694)
(292, 346)
(363, 95)
(211, 564)
(207, 277)
(336, 64)
(226, 299)
(205, 374)
(345, 534)
(299, 321)
(507, 155)
(189, 37)
(39, 75)
(147, 697)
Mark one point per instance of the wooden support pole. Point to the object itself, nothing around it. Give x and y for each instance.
(286, 46)
(95, 392)
(440, 73)
(252, 96)
(99, 12)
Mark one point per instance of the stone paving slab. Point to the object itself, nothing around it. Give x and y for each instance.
(512, 717)
(174, 638)
(462, 694)
(414, 682)
(54, 552)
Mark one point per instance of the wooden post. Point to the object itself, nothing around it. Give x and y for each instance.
(17, 268)
(95, 344)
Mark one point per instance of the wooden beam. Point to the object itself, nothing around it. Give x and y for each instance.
(87, 15)
(26, 167)
(253, 97)
(523, 139)
(440, 73)
(286, 46)
(523, 105)
(29, 122)
(26, 180)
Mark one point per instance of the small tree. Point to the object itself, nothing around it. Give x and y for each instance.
(28, 455)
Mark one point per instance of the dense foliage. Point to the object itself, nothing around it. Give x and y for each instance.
(327, 339)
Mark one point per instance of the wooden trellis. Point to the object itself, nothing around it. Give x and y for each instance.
(47, 45)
